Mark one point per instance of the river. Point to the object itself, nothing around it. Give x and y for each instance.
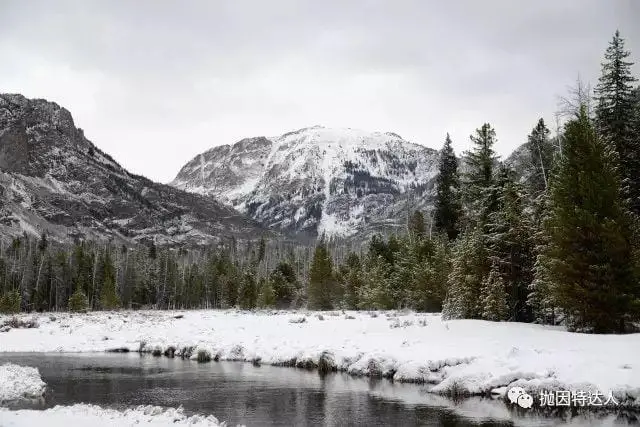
(262, 395)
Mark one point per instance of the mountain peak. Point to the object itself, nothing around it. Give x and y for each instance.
(55, 181)
(315, 179)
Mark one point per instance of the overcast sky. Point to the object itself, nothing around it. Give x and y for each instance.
(155, 82)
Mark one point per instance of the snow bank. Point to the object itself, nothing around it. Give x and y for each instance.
(452, 357)
(95, 416)
(20, 382)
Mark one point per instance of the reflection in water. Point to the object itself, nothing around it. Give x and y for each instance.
(264, 396)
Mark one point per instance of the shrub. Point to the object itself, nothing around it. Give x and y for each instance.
(10, 302)
(78, 302)
(15, 323)
(204, 356)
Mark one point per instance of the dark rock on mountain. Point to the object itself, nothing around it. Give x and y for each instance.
(54, 180)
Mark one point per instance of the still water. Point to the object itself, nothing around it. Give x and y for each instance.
(266, 395)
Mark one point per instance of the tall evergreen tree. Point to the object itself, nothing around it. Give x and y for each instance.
(429, 275)
(588, 259)
(109, 298)
(416, 226)
(266, 296)
(541, 153)
(541, 298)
(469, 267)
(248, 291)
(447, 203)
(614, 116)
(479, 178)
(285, 284)
(375, 292)
(321, 279)
(352, 279)
(510, 245)
(493, 298)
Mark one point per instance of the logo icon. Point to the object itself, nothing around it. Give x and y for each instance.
(519, 396)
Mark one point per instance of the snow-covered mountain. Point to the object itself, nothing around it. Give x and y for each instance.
(340, 182)
(54, 180)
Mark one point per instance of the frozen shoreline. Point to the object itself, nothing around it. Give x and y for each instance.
(461, 356)
(96, 416)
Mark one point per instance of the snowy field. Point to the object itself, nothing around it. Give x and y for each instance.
(461, 356)
(95, 416)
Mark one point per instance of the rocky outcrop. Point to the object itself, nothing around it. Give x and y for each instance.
(53, 180)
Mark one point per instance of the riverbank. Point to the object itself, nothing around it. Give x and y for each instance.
(453, 357)
(96, 416)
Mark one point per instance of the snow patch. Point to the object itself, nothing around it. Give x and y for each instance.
(96, 416)
(20, 382)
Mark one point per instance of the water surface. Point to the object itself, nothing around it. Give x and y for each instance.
(265, 395)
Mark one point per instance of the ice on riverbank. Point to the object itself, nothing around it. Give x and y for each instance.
(95, 416)
(461, 356)
(20, 382)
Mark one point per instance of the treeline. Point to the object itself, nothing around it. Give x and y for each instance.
(560, 245)
(559, 242)
(555, 241)
(36, 275)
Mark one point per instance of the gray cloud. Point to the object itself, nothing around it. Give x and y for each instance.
(155, 82)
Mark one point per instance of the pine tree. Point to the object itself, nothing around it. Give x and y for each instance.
(353, 282)
(321, 280)
(541, 153)
(10, 302)
(588, 259)
(480, 175)
(248, 291)
(375, 291)
(266, 296)
(614, 116)
(401, 279)
(109, 298)
(493, 297)
(285, 284)
(635, 124)
(416, 226)
(429, 275)
(541, 298)
(509, 244)
(78, 302)
(468, 269)
(447, 203)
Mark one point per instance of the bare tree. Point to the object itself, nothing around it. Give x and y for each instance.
(580, 94)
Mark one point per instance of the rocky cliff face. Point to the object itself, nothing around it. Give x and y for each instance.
(338, 182)
(54, 180)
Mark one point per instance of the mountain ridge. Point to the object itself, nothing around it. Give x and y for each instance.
(53, 180)
(317, 180)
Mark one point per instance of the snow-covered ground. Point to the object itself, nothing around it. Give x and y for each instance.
(468, 356)
(20, 382)
(95, 416)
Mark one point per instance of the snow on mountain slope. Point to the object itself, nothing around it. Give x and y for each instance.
(317, 180)
(53, 180)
